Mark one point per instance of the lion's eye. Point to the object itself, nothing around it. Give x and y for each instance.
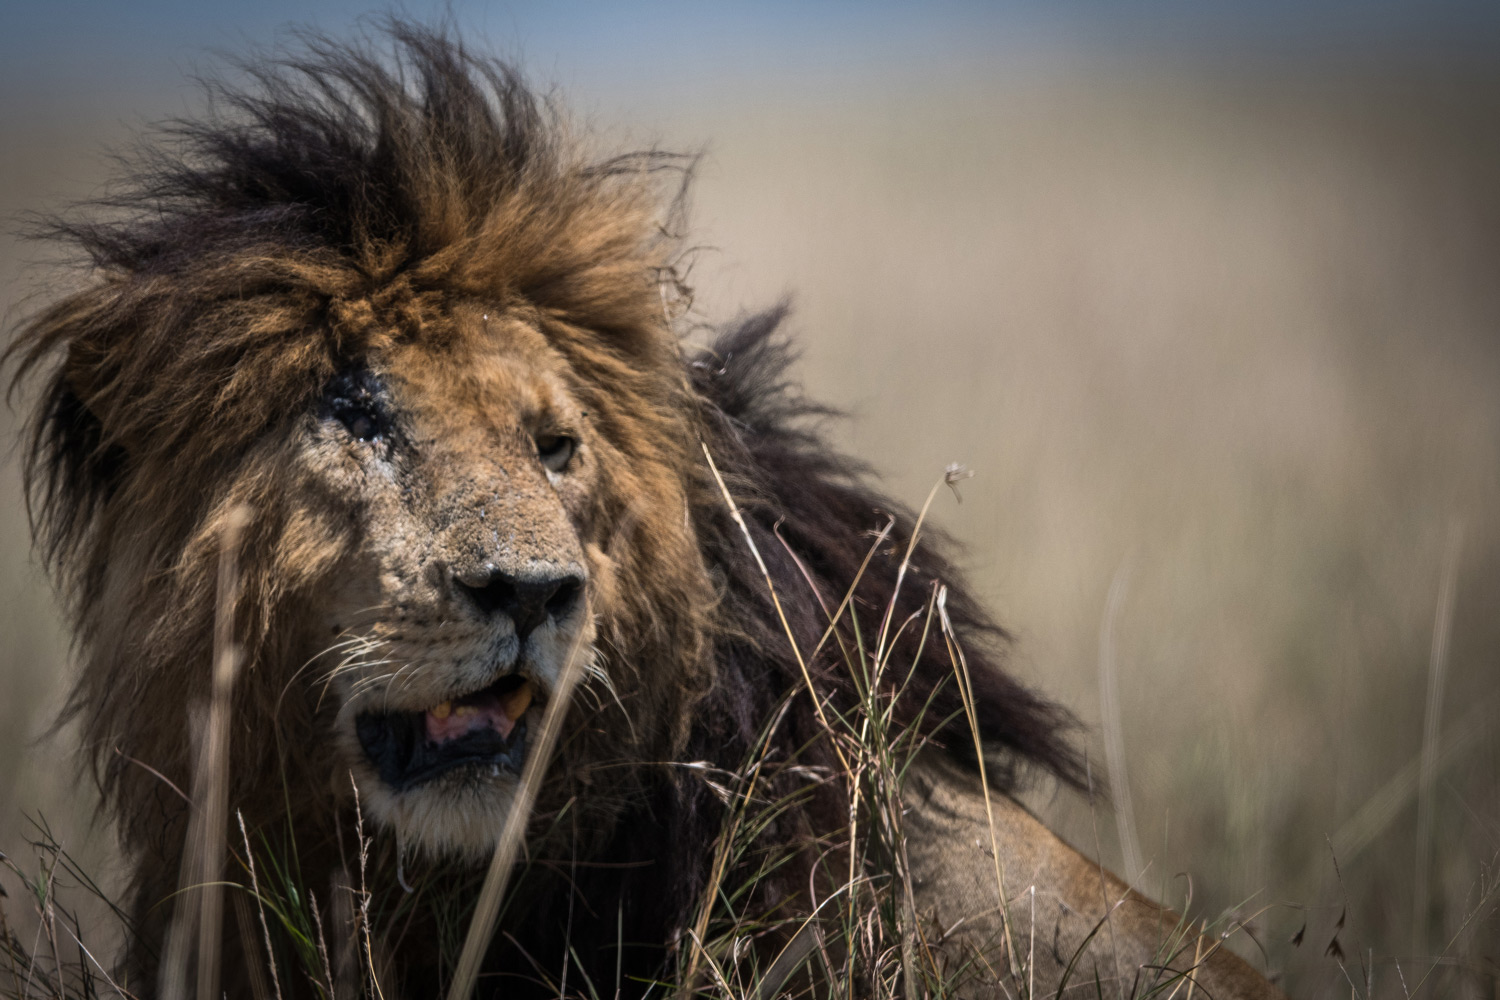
(362, 424)
(555, 451)
(352, 398)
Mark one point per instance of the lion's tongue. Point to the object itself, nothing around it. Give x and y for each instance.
(483, 710)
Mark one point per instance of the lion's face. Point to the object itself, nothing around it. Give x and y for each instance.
(471, 471)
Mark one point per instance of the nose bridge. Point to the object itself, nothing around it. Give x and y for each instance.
(500, 515)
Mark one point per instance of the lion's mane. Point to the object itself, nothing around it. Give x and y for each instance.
(241, 262)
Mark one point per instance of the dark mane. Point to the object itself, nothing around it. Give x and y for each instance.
(252, 255)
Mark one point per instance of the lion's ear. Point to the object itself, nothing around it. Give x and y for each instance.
(65, 348)
(71, 465)
(82, 371)
(76, 449)
(115, 344)
(82, 434)
(86, 386)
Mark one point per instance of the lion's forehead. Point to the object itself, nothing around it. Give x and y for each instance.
(491, 364)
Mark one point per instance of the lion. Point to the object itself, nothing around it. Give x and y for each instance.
(390, 307)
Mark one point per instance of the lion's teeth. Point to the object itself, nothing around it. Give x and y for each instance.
(517, 702)
(441, 711)
(464, 711)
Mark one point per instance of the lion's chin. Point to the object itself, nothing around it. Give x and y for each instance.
(458, 814)
(444, 778)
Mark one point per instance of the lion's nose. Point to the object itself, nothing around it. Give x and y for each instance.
(529, 600)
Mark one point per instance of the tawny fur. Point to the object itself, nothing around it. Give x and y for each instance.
(426, 222)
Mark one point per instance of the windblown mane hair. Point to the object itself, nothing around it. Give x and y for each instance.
(814, 518)
(238, 271)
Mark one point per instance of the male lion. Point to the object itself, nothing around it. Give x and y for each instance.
(390, 309)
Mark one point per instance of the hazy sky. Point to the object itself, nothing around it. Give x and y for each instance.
(72, 50)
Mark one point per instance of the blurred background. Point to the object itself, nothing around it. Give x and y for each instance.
(1207, 296)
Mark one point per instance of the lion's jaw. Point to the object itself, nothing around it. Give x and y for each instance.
(450, 628)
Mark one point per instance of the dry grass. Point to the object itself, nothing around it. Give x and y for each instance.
(863, 939)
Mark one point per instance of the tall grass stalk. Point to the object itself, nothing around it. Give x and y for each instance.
(1110, 721)
(200, 901)
(1437, 671)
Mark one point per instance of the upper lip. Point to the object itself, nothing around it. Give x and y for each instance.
(523, 675)
(395, 699)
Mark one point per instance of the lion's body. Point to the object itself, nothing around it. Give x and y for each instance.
(1058, 903)
(422, 339)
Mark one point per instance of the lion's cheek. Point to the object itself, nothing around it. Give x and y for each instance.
(603, 592)
(553, 651)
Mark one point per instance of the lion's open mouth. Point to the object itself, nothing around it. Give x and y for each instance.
(485, 729)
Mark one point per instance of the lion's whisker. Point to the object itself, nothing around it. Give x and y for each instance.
(354, 662)
(350, 664)
(280, 698)
(359, 666)
(390, 679)
(356, 659)
(594, 677)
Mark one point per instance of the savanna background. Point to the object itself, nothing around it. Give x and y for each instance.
(1208, 300)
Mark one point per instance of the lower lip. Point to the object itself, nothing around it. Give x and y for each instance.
(396, 745)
